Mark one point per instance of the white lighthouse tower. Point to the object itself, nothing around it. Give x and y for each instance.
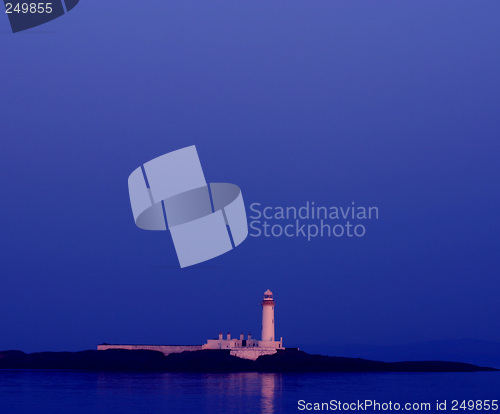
(268, 317)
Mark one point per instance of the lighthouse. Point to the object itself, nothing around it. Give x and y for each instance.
(248, 348)
(268, 316)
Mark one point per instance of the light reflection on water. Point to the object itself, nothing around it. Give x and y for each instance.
(54, 392)
(218, 393)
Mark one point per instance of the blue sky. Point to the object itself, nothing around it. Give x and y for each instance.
(388, 103)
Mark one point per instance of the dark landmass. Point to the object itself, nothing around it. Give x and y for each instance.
(471, 351)
(216, 361)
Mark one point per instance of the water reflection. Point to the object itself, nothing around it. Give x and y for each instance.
(40, 391)
(270, 384)
(259, 391)
(212, 393)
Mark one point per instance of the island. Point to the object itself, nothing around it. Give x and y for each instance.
(211, 361)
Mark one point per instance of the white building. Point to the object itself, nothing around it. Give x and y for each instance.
(252, 348)
(241, 347)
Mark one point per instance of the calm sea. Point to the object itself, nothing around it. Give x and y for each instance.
(34, 392)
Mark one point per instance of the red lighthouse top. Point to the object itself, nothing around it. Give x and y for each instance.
(268, 298)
